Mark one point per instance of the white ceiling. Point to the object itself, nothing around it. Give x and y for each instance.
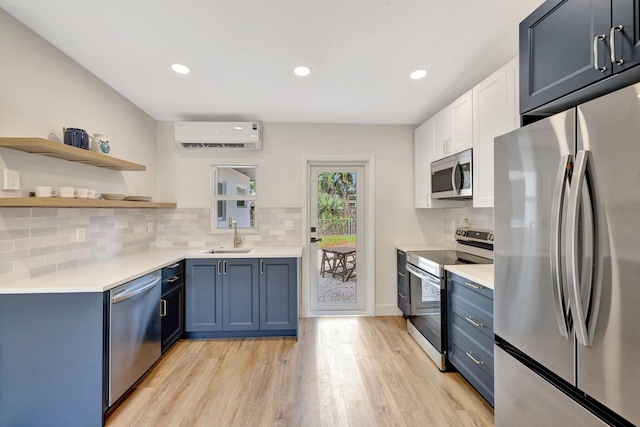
(242, 53)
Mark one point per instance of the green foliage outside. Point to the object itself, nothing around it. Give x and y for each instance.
(334, 192)
(334, 240)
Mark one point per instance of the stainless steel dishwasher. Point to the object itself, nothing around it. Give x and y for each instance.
(134, 332)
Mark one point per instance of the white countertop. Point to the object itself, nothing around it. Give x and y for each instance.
(479, 273)
(104, 275)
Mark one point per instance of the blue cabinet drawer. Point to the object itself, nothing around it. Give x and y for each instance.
(473, 287)
(465, 307)
(476, 302)
(475, 365)
(480, 333)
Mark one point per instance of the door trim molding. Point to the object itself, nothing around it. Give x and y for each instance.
(369, 244)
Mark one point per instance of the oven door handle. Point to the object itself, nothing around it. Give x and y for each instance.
(424, 276)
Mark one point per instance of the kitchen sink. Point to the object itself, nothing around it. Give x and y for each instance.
(230, 251)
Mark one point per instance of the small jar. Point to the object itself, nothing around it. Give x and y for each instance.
(466, 223)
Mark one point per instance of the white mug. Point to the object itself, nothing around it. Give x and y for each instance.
(45, 191)
(67, 192)
(82, 193)
(91, 194)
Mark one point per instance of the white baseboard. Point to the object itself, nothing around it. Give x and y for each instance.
(388, 310)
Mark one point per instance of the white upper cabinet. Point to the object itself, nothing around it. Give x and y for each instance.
(513, 94)
(453, 130)
(462, 120)
(495, 112)
(422, 143)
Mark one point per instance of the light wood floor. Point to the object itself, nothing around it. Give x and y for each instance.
(355, 371)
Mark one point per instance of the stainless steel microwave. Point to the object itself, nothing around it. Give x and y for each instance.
(451, 177)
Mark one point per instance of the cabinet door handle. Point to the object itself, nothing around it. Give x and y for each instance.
(472, 285)
(219, 267)
(612, 36)
(261, 267)
(596, 64)
(473, 322)
(173, 279)
(224, 267)
(163, 307)
(476, 361)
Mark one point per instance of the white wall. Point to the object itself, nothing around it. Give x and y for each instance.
(42, 90)
(185, 178)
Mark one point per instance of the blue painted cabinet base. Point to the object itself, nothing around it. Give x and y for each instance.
(52, 370)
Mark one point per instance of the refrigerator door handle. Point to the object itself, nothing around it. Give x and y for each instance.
(559, 298)
(577, 196)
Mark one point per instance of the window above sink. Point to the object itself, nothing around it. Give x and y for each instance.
(233, 198)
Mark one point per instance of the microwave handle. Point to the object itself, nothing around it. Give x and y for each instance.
(454, 175)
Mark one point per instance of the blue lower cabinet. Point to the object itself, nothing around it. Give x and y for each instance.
(278, 294)
(203, 295)
(470, 324)
(241, 297)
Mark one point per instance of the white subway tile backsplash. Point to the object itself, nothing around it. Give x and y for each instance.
(38, 241)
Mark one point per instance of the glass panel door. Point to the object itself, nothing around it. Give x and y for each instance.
(336, 210)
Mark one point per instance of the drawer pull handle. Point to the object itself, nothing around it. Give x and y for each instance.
(472, 285)
(476, 361)
(401, 274)
(173, 279)
(402, 295)
(476, 324)
(174, 265)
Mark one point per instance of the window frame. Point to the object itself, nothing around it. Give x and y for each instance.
(219, 202)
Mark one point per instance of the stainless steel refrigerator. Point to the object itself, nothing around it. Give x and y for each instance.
(567, 267)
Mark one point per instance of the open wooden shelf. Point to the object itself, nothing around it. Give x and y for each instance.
(44, 147)
(63, 202)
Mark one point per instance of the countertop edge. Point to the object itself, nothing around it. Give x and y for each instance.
(479, 273)
(105, 275)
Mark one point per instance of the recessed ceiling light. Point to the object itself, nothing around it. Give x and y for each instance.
(237, 127)
(302, 71)
(418, 74)
(181, 69)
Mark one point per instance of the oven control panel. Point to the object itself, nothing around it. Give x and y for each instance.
(474, 235)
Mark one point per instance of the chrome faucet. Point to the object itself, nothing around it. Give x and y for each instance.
(236, 240)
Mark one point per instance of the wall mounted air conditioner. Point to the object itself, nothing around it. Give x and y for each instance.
(219, 135)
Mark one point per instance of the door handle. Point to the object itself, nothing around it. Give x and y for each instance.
(612, 36)
(314, 240)
(131, 293)
(454, 174)
(163, 308)
(596, 64)
(559, 299)
(576, 196)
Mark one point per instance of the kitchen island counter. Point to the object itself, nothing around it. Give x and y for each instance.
(104, 275)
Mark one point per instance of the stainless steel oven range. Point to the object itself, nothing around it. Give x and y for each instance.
(427, 322)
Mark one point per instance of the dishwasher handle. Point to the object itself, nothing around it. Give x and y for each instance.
(136, 291)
